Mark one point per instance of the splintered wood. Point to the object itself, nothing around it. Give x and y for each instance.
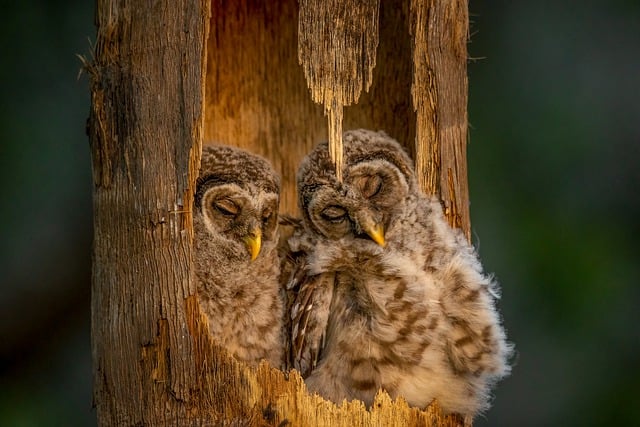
(337, 43)
(233, 393)
(439, 30)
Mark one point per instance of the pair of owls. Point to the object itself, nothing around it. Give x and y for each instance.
(372, 290)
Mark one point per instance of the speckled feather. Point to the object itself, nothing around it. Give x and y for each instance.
(241, 298)
(416, 317)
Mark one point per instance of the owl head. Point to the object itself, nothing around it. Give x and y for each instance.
(236, 202)
(377, 178)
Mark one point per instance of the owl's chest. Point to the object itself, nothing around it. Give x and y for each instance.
(379, 297)
(395, 314)
(360, 294)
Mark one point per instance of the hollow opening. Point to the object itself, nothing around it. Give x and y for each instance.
(257, 98)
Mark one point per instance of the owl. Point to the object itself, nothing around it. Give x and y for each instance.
(236, 260)
(386, 295)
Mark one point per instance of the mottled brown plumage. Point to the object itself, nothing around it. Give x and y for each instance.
(385, 293)
(236, 260)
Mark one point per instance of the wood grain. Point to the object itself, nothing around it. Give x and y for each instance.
(145, 130)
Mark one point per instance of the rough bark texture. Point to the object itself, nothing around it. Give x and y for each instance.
(152, 102)
(145, 130)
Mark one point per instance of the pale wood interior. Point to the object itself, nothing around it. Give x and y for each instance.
(257, 98)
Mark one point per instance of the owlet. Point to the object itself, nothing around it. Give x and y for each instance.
(236, 260)
(388, 295)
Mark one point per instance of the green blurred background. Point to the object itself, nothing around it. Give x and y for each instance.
(555, 182)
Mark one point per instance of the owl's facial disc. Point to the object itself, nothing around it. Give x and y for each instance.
(380, 188)
(245, 216)
(253, 238)
(364, 206)
(335, 214)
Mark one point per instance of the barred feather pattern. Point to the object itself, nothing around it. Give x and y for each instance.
(414, 315)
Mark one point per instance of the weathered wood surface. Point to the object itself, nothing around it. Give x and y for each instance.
(337, 44)
(439, 30)
(145, 131)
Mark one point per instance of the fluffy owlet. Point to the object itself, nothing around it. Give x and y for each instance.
(387, 294)
(236, 260)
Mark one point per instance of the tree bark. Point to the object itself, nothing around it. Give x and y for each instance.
(145, 130)
(167, 74)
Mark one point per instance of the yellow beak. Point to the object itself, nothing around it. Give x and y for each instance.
(253, 242)
(376, 232)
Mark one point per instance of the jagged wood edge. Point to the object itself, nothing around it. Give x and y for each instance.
(262, 395)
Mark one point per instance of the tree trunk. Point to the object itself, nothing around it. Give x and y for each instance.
(146, 131)
(169, 73)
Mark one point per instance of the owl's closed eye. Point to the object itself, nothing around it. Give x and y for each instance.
(240, 216)
(362, 207)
